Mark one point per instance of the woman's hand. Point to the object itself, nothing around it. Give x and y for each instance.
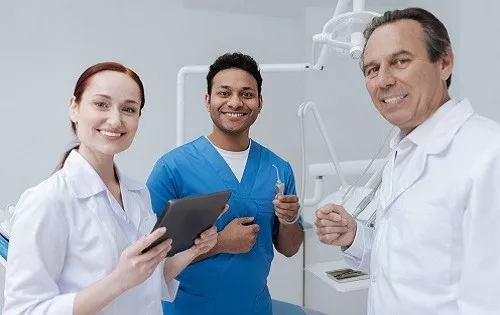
(134, 266)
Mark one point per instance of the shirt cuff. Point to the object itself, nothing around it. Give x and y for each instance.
(68, 301)
(169, 290)
(356, 249)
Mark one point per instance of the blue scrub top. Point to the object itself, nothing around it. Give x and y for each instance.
(224, 284)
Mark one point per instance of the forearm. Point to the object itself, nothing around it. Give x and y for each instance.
(174, 265)
(289, 239)
(97, 296)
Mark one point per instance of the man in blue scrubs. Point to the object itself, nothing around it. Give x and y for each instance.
(231, 279)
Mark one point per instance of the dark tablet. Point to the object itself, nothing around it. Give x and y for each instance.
(186, 218)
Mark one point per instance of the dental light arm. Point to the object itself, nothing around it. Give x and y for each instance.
(344, 32)
(333, 155)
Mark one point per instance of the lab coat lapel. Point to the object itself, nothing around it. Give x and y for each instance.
(86, 184)
(82, 177)
(410, 175)
(386, 187)
(447, 130)
(438, 141)
(130, 204)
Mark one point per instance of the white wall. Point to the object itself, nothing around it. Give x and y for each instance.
(356, 130)
(46, 45)
(340, 94)
(479, 50)
(355, 126)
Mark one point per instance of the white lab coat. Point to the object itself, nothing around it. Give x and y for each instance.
(67, 233)
(436, 247)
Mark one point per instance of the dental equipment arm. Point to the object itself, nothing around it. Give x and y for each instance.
(303, 108)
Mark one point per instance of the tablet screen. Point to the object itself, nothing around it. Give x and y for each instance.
(186, 218)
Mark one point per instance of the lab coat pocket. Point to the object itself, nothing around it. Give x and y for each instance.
(262, 305)
(190, 304)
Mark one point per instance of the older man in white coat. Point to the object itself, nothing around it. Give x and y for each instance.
(435, 248)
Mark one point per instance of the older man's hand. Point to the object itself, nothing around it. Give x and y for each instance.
(335, 226)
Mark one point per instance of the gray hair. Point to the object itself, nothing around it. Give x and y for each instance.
(434, 32)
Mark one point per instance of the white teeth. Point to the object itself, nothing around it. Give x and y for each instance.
(110, 134)
(393, 99)
(233, 114)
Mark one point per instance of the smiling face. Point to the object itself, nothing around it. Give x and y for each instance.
(107, 115)
(404, 85)
(234, 102)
